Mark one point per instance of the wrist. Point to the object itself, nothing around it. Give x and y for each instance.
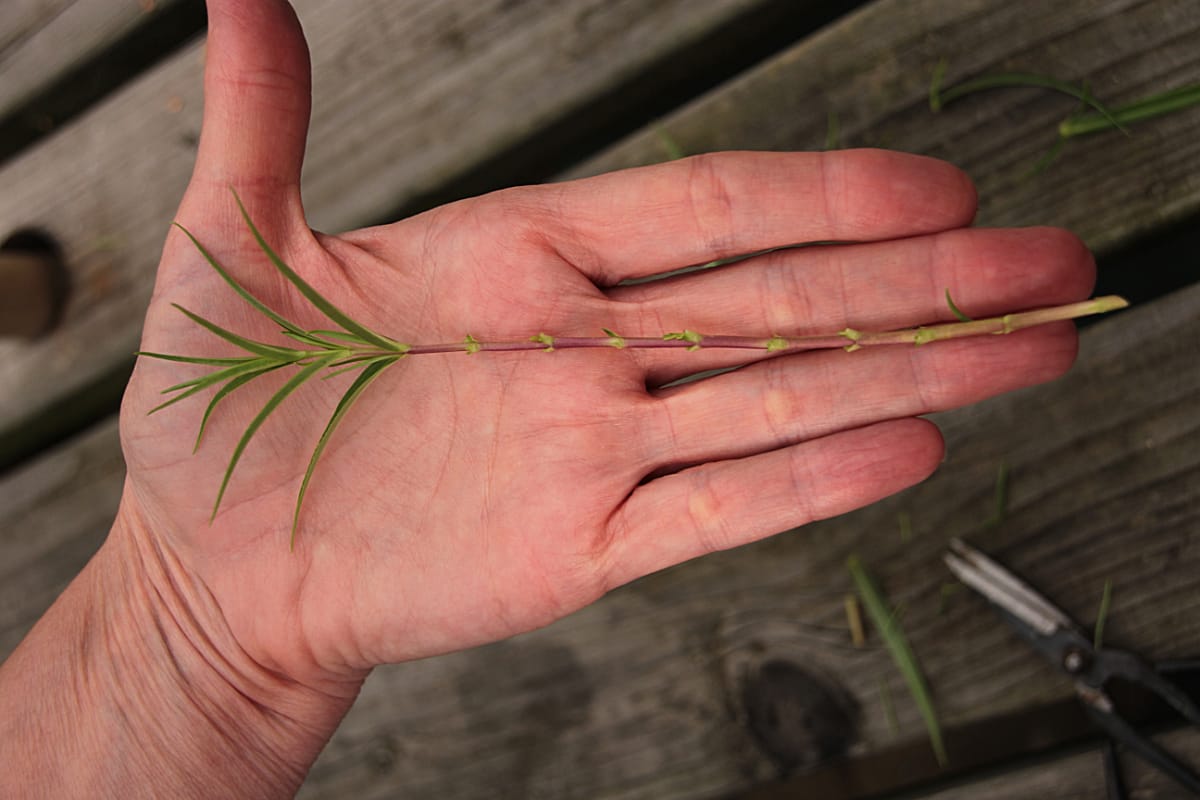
(134, 674)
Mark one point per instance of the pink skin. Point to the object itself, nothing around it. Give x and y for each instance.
(466, 499)
(470, 498)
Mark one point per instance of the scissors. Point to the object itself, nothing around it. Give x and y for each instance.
(1060, 640)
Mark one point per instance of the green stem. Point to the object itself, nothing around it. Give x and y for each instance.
(1153, 106)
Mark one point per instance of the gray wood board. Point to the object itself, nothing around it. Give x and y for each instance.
(872, 72)
(638, 695)
(1080, 776)
(42, 41)
(406, 95)
(58, 57)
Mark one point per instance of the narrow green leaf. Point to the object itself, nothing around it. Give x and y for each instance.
(258, 348)
(214, 362)
(833, 133)
(307, 337)
(1102, 615)
(360, 383)
(889, 707)
(313, 296)
(289, 387)
(955, 309)
(196, 385)
(224, 391)
(935, 86)
(219, 375)
(669, 145)
(1153, 106)
(351, 364)
(341, 336)
(897, 644)
(237, 287)
(178, 397)
(1004, 80)
(1000, 501)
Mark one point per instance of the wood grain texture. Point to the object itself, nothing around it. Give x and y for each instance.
(406, 95)
(1079, 777)
(873, 70)
(54, 514)
(638, 695)
(43, 41)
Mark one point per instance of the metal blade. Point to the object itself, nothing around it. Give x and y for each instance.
(1005, 590)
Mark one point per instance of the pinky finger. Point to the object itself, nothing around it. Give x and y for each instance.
(730, 503)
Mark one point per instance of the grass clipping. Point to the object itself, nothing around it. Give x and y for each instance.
(884, 620)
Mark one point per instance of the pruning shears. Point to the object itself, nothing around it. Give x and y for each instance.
(1049, 630)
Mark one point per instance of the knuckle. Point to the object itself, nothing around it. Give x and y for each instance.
(711, 203)
(706, 513)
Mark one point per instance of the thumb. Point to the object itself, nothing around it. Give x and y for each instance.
(257, 98)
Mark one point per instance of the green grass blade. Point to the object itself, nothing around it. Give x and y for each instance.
(1000, 497)
(1153, 106)
(1102, 615)
(258, 348)
(897, 644)
(224, 392)
(289, 387)
(669, 145)
(312, 295)
(360, 383)
(1027, 80)
(237, 287)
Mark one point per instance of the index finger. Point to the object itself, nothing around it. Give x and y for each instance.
(648, 220)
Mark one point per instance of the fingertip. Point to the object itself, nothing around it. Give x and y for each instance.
(898, 193)
(257, 87)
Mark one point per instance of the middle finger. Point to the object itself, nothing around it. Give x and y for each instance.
(875, 286)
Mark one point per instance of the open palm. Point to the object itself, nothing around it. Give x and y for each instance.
(470, 497)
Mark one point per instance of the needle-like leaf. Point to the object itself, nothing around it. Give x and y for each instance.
(258, 348)
(316, 298)
(939, 97)
(214, 362)
(955, 310)
(360, 383)
(897, 644)
(203, 382)
(289, 387)
(237, 287)
(224, 392)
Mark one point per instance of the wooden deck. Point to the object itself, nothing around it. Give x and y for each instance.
(654, 692)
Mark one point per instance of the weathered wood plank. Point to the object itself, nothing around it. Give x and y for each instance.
(1080, 777)
(59, 56)
(40, 42)
(873, 72)
(639, 695)
(53, 516)
(406, 95)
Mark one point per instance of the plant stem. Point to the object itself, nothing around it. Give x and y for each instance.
(849, 338)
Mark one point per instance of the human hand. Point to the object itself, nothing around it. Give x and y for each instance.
(469, 498)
